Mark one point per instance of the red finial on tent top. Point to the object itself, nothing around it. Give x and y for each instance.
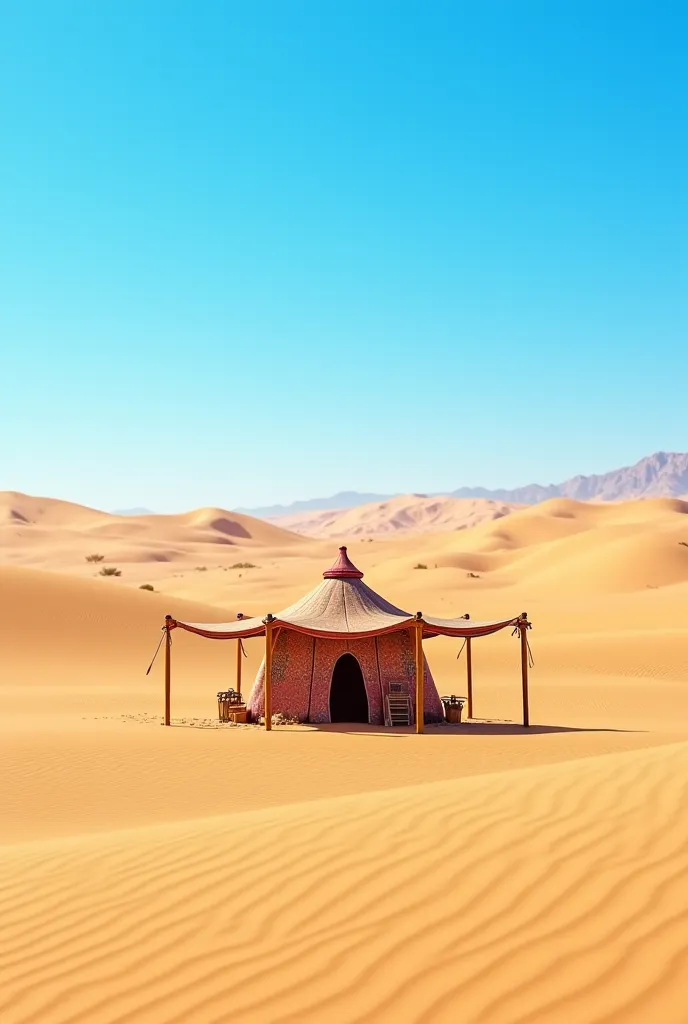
(343, 568)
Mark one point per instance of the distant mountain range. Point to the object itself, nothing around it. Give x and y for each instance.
(344, 499)
(662, 475)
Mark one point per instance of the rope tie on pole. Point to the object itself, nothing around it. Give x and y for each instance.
(516, 631)
(164, 630)
(461, 649)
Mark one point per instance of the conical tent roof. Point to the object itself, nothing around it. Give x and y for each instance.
(344, 605)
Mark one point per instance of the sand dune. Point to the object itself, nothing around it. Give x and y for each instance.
(481, 874)
(63, 633)
(397, 906)
(25, 509)
(573, 546)
(48, 533)
(580, 546)
(409, 513)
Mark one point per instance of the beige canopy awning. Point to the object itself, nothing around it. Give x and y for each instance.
(344, 607)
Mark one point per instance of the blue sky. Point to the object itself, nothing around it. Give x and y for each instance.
(254, 252)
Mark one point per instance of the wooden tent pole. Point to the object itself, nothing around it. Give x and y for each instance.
(469, 676)
(469, 672)
(267, 687)
(168, 668)
(522, 627)
(238, 663)
(420, 675)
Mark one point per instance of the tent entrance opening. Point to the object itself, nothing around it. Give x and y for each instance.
(348, 697)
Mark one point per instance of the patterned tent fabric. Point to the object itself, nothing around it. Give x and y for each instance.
(344, 605)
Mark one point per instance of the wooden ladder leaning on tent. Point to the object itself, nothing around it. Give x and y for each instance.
(397, 705)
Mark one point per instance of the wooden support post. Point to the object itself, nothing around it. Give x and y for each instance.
(267, 685)
(239, 656)
(523, 627)
(420, 675)
(469, 676)
(168, 667)
(238, 668)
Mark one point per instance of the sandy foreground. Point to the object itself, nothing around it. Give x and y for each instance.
(476, 874)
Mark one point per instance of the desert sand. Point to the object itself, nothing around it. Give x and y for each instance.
(483, 873)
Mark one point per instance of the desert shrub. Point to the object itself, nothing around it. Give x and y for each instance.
(473, 575)
(95, 558)
(110, 570)
(243, 565)
(147, 586)
(201, 568)
(420, 566)
(684, 543)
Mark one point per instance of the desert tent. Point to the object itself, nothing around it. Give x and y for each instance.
(342, 650)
